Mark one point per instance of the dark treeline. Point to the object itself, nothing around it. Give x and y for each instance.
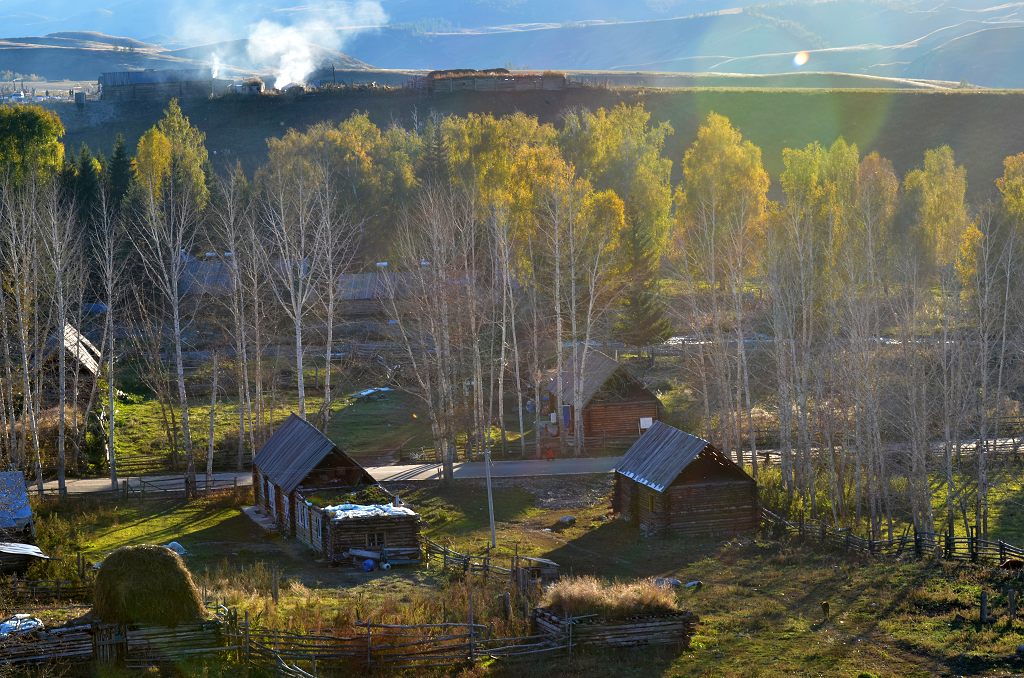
(870, 323)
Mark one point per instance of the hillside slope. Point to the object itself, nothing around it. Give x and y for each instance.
(84, 55)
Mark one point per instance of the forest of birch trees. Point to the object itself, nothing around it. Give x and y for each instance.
(850, 335)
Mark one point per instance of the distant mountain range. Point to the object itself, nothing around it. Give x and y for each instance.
(976, 41)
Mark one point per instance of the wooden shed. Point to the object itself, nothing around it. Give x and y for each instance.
(324, 498)
(672, 483)
(616, 404)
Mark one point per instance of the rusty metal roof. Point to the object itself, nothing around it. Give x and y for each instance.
(598, 368)
(662, 453)
(294, 450)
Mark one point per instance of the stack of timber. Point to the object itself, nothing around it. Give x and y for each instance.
(660, 629)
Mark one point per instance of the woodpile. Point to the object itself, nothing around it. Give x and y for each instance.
(660, 629)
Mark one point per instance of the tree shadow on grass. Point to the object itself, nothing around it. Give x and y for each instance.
(618, 547)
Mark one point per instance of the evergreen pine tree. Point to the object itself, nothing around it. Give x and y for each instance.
(118, 174)
(643, 317)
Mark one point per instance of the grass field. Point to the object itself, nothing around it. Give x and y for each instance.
(760, 603)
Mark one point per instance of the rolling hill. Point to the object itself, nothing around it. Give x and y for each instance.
(973, 41)
(84, 55)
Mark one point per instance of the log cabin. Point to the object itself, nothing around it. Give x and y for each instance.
(672, 483)
(319, 495)
(617, 407)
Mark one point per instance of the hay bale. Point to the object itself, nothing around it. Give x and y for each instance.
(146, 585)
(578, 596)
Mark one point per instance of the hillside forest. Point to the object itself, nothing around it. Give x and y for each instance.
(865, 327)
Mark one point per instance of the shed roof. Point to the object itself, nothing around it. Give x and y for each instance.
(598, 368)
(151, 77)
(294, 450)
(16, 549)
(77, 346)
(372, 286)
(14, 506)
(658, 457)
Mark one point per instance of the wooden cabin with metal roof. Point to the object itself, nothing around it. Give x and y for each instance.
(617, 407)
(316, 493)
(672, 483)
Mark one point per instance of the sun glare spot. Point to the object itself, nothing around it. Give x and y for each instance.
(801, 58)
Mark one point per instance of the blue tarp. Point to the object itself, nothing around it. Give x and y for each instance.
(14, 507)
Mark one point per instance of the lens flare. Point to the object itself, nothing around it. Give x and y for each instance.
(801, 58)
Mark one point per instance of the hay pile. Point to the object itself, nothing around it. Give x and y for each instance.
(146, 585)
(578, 596)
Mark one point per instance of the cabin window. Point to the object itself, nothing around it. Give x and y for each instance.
(375, 540)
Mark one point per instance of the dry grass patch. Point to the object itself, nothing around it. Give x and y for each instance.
(578, 596)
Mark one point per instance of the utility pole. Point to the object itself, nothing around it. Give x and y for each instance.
(490, 494)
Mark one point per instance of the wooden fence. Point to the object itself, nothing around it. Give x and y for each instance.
(49, 589)
(462, 562)
(920, 544)
(394, 646)
(650, 629)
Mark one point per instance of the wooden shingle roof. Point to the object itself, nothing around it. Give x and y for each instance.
(658, 457)
(598, 368)
(294, 450)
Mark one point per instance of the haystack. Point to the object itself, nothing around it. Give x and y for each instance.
(146, 585)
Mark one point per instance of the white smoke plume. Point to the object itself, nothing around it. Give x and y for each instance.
(290, 48)
(280, 37)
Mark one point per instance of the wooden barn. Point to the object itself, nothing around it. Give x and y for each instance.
(321, 496)
(671, 483)
(159, 85)
(616, 405)
(81, 365)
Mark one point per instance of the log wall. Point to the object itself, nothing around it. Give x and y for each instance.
(708, 509)
(617, 419)
(359, 533)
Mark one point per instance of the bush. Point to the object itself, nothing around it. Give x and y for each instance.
(146, 585)
(578, 596)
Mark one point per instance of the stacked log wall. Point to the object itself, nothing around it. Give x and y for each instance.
(617, 419)
(714, 508)
(398, 531)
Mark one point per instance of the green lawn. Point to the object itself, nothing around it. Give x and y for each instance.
(760, 603)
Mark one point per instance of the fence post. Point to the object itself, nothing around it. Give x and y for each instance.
(472, 629)
(984, 606)
(917, 543)
(1002, 551)
(248, 641)
(274, 584)
(1011, 604)
(949, 545)
(821, 531)
(369, 644)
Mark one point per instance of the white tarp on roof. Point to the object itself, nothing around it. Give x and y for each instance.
(12, 549)
(354, 511)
